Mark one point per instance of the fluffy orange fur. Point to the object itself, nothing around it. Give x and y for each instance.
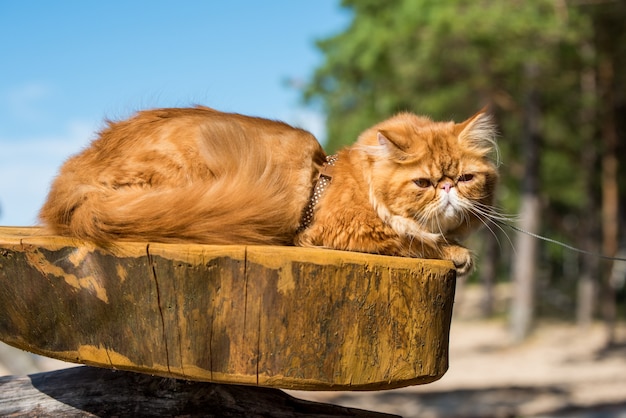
(408, 187)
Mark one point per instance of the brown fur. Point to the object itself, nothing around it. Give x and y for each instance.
(199, 175)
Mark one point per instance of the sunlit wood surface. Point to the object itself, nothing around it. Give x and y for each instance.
(282, 317)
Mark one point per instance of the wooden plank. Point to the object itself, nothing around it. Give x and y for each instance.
(91, 392)
(282, 317)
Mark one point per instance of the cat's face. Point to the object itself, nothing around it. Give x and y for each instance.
(438, 175)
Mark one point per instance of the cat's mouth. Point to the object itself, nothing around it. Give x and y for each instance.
(446, 221)
(447, 216)
(449, 206)
(449, 209)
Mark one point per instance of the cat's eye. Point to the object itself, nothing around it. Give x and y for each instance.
(466, 177)
(423, 183)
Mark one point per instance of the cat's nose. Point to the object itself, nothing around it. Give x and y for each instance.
(447, 186)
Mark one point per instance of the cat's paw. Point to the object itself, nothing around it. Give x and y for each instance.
(461, 257)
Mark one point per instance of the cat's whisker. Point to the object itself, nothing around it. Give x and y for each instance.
(424, 217)
(487, 220)
(495, 216)
(467, 218)
(440, 228)
(495, 213)
(491, 230)
(490, 212)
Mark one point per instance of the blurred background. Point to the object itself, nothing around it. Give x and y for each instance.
(550, 71)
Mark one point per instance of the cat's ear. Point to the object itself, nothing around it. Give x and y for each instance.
(393, 148)
(383, 140)
(479, 131)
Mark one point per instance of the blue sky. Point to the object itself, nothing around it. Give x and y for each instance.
(67, 65)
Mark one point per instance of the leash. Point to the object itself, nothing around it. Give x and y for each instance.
(562, 244)
(324, 178)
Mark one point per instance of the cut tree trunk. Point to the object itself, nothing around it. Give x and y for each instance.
(282, 317)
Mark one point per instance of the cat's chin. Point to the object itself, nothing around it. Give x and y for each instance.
(450, 211)
(444, 221)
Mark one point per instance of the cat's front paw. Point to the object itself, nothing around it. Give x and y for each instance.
(461, 257)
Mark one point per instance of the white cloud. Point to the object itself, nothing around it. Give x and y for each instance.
(28, 166)
(24, 100)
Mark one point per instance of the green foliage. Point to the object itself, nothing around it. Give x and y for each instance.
(444, 59)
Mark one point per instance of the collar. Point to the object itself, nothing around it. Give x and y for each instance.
(323, 180)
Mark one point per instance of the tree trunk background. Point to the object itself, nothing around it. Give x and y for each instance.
(525, 259)
(588, 236)
(489, 272)
(610, 192)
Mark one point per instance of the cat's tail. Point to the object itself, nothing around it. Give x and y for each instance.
(240, 210)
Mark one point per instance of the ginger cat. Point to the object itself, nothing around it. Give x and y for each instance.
(408, 186)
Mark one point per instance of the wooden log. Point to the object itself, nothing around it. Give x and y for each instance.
(91, 392)
(281, 317)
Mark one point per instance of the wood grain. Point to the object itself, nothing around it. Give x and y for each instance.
(283, 317)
